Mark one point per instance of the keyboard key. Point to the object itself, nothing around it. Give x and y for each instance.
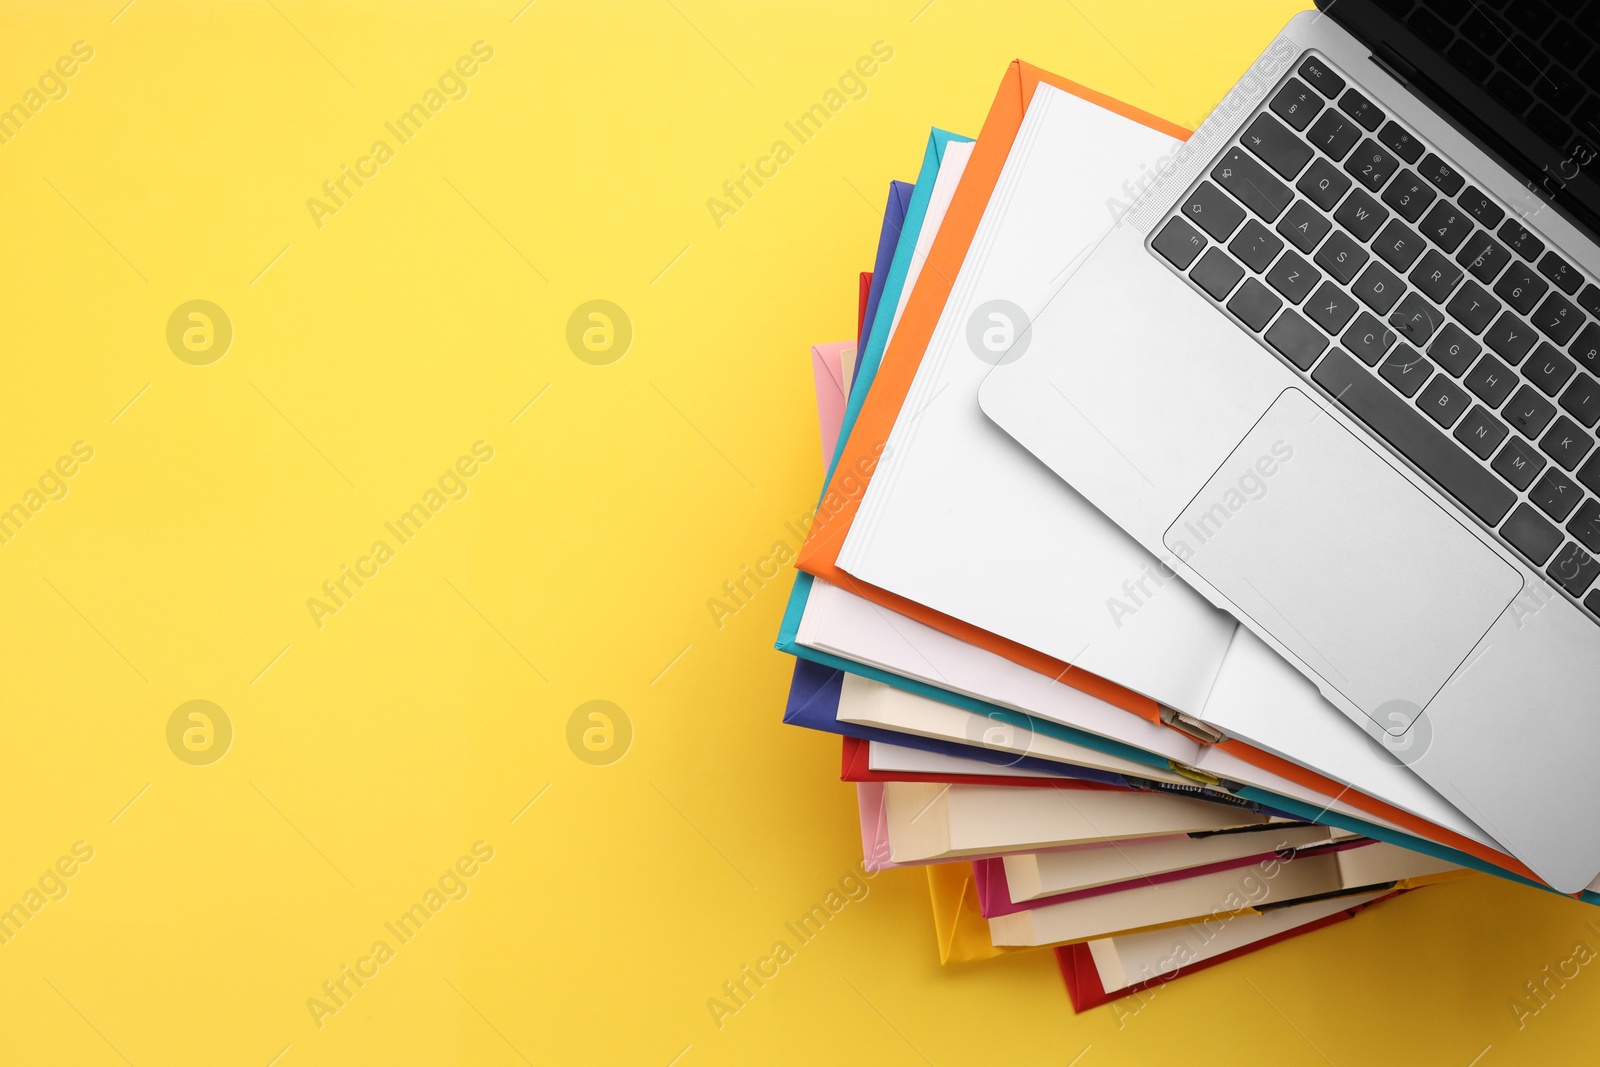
(1558, 270)
(1341, 257)
(1518, 463)
(1444, 401)
(1277, 145)
(1589, 299)
(1574, 569)
(1368, 339)
(1555, 494)
(1435, 276)
(1378, 288)
(1405, 369)
(1481, 432)
(1296, 340)
(1320, 77)
(1529, 413)
(1453, 349)
(1416, 319)
(1440, 174)
(1371, 165)
(1484, 256)
(1400, 142)
(1589, 473)
(1255, 246)
(1323, 184)
(1413, 436)
(1409, 195)
(1254, 304)
(1531, 535)
(1296, 104)
(1585, 525)
(1178, 243)
(1398, 245)
(1548, 369)
(1213, 212)
(1592, 602)
(1510, 337)
(1566, 442)
(1473, 307)
(1330, 307)
(1294, 277)
(1520, 287)
(1480, 207)
(1361, 215)
(1361, 109)
(1304, 226)
(1492, 381)
(1334, 134)
(1557, 318)
(1582, 400)
(1521, 241)
(1217, 273)
(1586, 349)
(1255, 187)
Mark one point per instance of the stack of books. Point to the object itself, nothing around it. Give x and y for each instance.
(1156, 791)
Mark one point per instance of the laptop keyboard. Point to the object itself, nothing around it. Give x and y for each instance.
(1416, 302)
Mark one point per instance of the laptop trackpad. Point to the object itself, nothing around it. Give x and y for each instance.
(1324, 545)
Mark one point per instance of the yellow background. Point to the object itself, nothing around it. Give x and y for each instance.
(368, 354)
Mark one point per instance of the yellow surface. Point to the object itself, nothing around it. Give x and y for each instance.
(369, 754)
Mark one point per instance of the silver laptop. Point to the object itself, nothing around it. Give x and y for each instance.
(1340, 367)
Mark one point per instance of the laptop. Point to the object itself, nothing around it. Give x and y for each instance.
(1339, 367)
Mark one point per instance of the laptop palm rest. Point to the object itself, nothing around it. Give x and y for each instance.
(1322, 544)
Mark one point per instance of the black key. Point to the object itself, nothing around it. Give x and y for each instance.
(1256, 246)
(1518, 463)
(1574, 569)
(1368, 339)
(1254, 304)
(1409, 195)
(1304, 226)
(1480, 431)
(1454, 350)
(1248, 180)
(1416, 319)
(1589, 299)
(1473, 307)
(1586, 349)
(1492, 381)
(1444, 401)
(1217, 273)
(1400, 142)
(1398, 245)
(1293, 277)
(1557, 318)
(1361, 215)
(1341, 257)
(1531, 535)
(1589, 473)
(1477, 65)
(1178, 243)
(1429, 27)
(1509, 92)
(1334, 134)
(1213, 212)
(1529, 413)
(1277, 145)
(1296, 340)
(1371, 165)
(1323, 183)
(1548, 369)
(1318, 75)
(1446, 225)
(1295, 104)
(1522, 242)
(1483, 256)
(1585, 525)
(1441, 174)
(1480, 207)
(1566, 442)
(1361, 109)
(1582, 400)
(1410, 434)
(1378, 288)
(1592, 602)
(1405, 369)
(1520, 287)
(1510, 337)
(1330, 307)
(1435, 276)
(1555, 494)
(1558, 270)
